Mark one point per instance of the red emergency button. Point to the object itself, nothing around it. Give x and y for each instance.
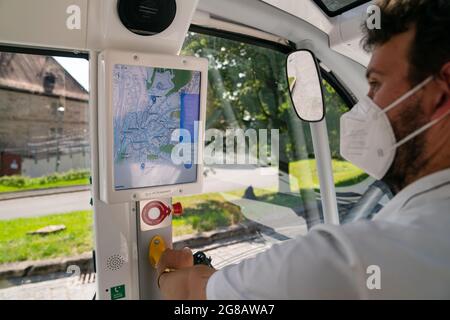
(177, 209)
(164, 211)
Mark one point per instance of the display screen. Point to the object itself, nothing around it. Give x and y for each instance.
(155, 114)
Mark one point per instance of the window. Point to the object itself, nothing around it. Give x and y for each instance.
(44, 145)
(49, 82)
(247, 94)
(336, 7)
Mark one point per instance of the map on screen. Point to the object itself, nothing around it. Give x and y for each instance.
(148, 105)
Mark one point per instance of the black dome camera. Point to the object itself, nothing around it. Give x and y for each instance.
(146, 17)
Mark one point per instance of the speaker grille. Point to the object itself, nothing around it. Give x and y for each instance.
(115, 262)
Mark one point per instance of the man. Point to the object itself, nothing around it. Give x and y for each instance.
(408, 242)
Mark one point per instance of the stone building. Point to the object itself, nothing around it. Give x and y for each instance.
(43, 115)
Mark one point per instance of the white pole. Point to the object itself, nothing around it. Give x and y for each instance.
(324, 168)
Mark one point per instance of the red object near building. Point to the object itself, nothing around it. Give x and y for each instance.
(10, 164)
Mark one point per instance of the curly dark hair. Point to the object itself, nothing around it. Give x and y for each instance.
(430, 49)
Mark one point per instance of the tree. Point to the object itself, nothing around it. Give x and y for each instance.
(247, 87)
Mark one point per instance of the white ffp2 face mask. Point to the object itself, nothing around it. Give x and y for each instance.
(367, 138)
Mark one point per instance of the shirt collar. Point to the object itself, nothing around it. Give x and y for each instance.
(422, 185)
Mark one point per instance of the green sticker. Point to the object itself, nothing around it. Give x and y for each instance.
(118, 292)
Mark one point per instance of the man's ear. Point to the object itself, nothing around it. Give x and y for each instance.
(445, 74)
(443, 105)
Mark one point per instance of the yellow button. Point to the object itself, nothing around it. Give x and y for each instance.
(156, 248)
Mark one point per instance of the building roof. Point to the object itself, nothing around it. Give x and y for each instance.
(38, 74)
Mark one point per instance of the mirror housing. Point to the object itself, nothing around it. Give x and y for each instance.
(305, 86)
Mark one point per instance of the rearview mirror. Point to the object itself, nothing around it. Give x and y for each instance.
(305, 86)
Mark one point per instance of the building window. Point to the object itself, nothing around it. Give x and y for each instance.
(49, 82)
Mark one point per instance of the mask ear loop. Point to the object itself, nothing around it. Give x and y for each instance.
(407, 95)
(425, 127)
(421, 130)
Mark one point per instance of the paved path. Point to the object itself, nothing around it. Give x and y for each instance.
(61, 288)
(223, 253)
(41, 192)
(41, 206)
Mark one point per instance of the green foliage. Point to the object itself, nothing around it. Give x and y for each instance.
(247, 84)
(335, 107)
(16, 183)
(13, 181)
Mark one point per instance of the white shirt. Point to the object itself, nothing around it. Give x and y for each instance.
(409, 240)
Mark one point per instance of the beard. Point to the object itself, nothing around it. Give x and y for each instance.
(410, 157)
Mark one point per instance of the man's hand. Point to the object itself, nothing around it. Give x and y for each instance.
(187, 281)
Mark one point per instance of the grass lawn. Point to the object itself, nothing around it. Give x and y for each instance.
(305, 172)
(205, 212)
(17, 245)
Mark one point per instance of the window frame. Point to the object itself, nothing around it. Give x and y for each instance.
(44, 52)
(286, 49)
